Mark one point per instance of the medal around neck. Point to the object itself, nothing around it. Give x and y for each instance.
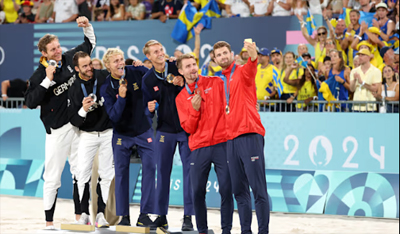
(93, 97)
(170, 78)
(227, 110)
(122, 81)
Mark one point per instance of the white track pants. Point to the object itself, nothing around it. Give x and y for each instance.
(89, 144)
(61, 144)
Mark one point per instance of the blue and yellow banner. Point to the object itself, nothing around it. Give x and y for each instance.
(278, 82)
(364, 16)
(311, 26)
(189, 18)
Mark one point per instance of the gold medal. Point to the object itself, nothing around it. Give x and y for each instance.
(227, 109)
(122, 81)
(170, 78)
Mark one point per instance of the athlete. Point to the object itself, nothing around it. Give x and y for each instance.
(48, 88)
(160, 87)
(201, 108)
(123, 100)
(86, 112)
(246, 136)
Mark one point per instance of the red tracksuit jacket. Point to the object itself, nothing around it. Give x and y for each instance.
(243, 117)
(207, 126)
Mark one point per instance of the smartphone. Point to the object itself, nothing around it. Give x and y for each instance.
(249, 40)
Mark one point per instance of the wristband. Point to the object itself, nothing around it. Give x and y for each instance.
(348, 33)
(4, 95)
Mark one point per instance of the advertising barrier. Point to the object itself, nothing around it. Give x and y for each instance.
(319, 163)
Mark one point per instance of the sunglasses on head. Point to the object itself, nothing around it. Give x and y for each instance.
(322, 33)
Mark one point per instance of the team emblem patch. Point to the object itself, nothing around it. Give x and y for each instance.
(149, 140)
(156, 88)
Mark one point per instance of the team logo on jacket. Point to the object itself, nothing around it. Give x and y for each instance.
(207, 90)
(156, 88)
(135, 86)
(254, 158)
(119, 141)
(162, 138)
(149, 140)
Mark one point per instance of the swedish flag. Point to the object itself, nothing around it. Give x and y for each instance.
(393, 42)
(310, 23)
(278, 82)
(331, 90)
(210, 10)
(364, 16)
(188, 18)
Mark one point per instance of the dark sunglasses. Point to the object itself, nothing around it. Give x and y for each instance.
(323, 33)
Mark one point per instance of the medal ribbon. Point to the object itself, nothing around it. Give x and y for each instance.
(188, 89)
(122, 77)
(165, 72)
(228, 85)
(84, 88)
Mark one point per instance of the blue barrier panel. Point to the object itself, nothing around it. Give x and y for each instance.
(325, 188)
(16, 46)
(332, 141)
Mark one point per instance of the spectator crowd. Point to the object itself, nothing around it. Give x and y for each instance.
(58, 11)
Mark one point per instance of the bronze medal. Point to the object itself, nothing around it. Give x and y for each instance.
(227, 110)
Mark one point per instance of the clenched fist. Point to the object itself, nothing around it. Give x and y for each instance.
(82, 22)
(196, 102)
(122, 90)
(152, 106)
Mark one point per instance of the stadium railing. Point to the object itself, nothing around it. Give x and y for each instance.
(324, 106)
(14, 103)
(279, 105)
